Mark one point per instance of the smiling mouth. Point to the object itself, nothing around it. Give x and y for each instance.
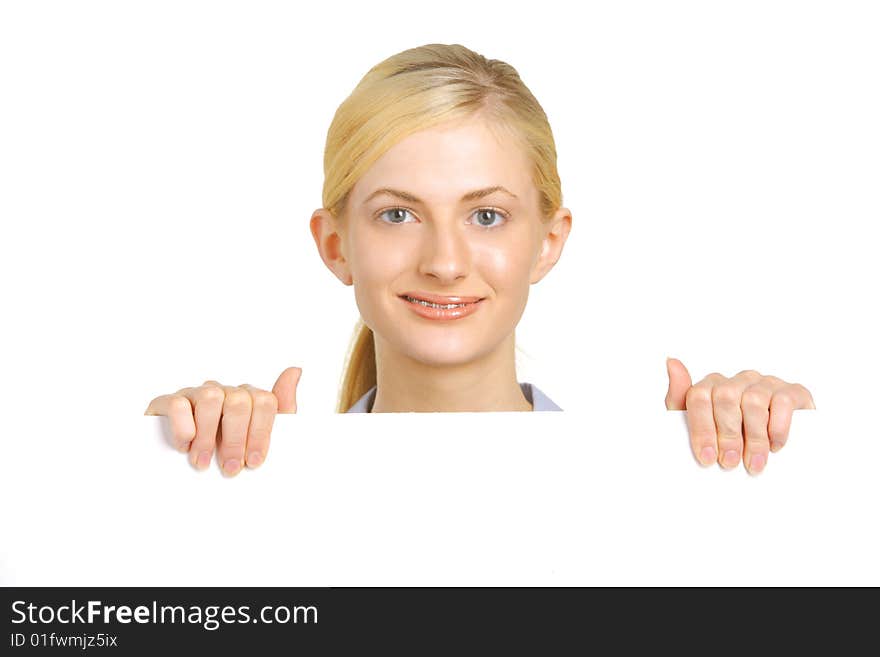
(436, 307)
(431, 304)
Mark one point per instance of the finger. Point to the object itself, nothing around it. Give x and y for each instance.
(726, 400)
(756, 415)
(701, 423)
(179, 411)
(285, 389)
(785, 400)
(234, 426)
(207, 402)
(265, 406)
(727, 415)
(679, 383)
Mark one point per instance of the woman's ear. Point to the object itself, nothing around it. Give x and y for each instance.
(329, 240)
(551, 245)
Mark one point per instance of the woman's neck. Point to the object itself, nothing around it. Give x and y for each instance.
(407, 385)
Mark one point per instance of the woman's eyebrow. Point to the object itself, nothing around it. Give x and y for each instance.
(470, 196)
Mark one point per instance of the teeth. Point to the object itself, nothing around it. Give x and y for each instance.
(436, 305)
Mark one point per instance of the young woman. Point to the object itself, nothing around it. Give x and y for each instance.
(442, 206)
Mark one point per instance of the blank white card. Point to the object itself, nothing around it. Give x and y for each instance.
(439, 499)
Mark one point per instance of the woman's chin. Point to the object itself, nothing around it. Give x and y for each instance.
(443, 355)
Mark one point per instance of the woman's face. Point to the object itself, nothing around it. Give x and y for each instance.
(445, 231)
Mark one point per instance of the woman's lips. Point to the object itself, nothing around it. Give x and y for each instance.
(433, 306)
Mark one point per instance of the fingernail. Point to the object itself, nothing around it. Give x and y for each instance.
(731, 458)
(232, 466)
(254, 459)
(707, 455)
(757, 462)
(204, 460)
(775, 446)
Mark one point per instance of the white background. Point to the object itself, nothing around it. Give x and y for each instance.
(159, 163)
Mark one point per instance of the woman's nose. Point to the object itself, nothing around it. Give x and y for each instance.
(445, 255)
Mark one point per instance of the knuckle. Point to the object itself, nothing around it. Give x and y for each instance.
(754, 398)
(265, 402)
(237, 401)
(750, 374)
(231, 448)
(258, 444)
(696, 396)
(757, 444)
(232, 440)
(211, 394)
(730, 438)
(725, 394)
(179, 404)
(785, 397)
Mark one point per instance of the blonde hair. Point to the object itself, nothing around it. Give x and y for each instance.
(412, 91)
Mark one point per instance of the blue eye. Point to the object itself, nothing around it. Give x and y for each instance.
(484, 218)
(397, 213)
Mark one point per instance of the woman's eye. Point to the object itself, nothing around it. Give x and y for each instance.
(488, 218)
(394, 215)
(485, 217)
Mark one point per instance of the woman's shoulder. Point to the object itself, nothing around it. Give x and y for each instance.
(538, 400)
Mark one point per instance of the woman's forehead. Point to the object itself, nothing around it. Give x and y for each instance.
(446, 162)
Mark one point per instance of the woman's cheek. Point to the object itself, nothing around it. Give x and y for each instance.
(377, 266)
(506, 269)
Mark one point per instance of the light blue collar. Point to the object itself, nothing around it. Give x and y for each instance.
(538, 400)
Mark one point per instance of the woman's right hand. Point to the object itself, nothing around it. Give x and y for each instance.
(238, 420)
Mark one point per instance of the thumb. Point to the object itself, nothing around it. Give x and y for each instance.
(285, 389)
(679, 384)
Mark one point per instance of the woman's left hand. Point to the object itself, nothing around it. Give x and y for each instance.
(744, 417)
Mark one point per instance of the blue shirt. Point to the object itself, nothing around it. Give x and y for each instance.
(538, 400)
